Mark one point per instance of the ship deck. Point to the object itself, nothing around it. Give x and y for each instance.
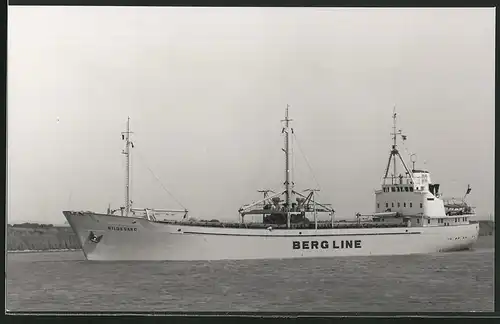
(339, 225)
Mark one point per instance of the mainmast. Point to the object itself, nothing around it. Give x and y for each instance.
(277, 207)
(288, 158)
(128, 144)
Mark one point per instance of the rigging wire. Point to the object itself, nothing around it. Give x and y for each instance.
(406, 150)
(158, 179)
(265, 175)
(317, 194)
(307, 162)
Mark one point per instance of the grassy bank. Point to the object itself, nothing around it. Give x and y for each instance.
(486, 228)
(40, 237)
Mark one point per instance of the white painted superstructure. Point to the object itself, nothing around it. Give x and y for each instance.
(410, 217)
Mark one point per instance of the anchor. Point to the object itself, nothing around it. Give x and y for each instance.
(93, 238)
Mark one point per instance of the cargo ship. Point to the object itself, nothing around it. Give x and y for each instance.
(410, 217)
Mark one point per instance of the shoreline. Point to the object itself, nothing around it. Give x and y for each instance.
(40, 251)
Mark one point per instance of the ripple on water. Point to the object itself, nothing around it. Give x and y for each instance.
(461, 281)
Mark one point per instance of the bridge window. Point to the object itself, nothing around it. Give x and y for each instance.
(406, 189)
(386, 205)
(411, 205)
(399, 205)
(404, 204)
(392, 204)
(421, 206)
(393, 189)
(428, 221)
(418, 221)
(378, 205)
(411, 189)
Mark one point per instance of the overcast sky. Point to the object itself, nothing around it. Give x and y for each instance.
(206, 89)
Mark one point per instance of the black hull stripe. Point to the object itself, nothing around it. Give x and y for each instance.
(317, 235)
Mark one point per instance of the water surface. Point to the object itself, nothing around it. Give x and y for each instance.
(64, 281)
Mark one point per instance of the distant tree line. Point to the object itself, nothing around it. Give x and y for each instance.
(31, 225)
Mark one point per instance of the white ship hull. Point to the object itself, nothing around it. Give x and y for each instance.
(127, 238)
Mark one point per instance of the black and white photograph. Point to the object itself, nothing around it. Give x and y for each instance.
(250, 159)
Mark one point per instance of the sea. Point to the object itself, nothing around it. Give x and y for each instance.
(442, 282)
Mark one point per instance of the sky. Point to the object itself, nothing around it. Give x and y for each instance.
(206, 88)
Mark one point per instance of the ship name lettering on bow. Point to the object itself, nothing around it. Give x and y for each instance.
(122, 228)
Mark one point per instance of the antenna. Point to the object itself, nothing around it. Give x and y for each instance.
(413, 159)
(128, 143)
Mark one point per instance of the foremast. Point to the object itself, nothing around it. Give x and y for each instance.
(127, 210)
(126, 152)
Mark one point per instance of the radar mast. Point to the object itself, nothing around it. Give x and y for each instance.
(395, 152)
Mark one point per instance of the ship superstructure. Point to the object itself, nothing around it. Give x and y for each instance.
(409, 217)
(410, 194)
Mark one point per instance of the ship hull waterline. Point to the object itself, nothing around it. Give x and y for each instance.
(116, 238)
